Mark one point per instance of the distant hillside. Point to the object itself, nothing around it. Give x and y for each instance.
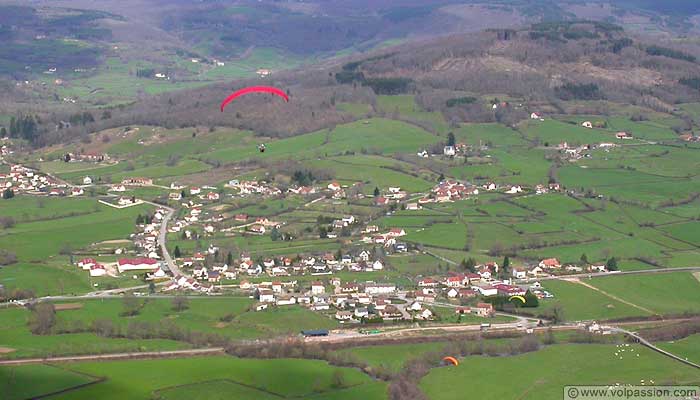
(569, 66)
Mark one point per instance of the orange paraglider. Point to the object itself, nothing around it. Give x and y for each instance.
(451, 360)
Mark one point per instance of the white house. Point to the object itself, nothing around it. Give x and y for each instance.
(449, 151)
(87, 181)
(380, 288)
(317, 288)
(131, 264)
(98, 270)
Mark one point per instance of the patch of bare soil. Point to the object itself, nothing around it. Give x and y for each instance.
(68, 306)
(6, 350)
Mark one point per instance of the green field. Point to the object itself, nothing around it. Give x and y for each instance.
(670, 293)
(390, 357)
(544, 373)
(223, 376)
(15, 335)
(582, 303)
(688, 348)
(29, 381)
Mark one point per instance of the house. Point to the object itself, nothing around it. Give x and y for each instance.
(377, 265)
(176, 196)
(514, 189)
(623, 135)
(364, 255)
(98, 270)
(195, 190)
(379, 288)
(286, 300)
(413, 207)
(574, 268)
(213, 276)
(131, 264)
(452, 293)
(343, 315)
(453, 281)
(425, 314)
(266, 296)
(241, 217)
(257, 229)
(361, 312)
(509, 290)
(587, 124)
(483, 310)
(463, 310)
(423, 154)
(76, 191)
(486, 290)
(381, 201)
(334, 186)
(519, 273)
(317, 288)
(350, 288)
(550, 263)
(415, 306)
(400, 247)
(396, 232)
(212, 196)
(535, 115)
(137, 181)
(87, 181)
(117, 188)
(427, 282)
(449, 151)
(597, 268)
(86, 263)
(390, 312)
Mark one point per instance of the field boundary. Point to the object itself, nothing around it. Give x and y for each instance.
(117, 356)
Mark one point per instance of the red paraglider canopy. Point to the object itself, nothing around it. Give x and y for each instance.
(253, 89)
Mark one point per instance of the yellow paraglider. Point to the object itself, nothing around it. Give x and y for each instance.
(521, 298)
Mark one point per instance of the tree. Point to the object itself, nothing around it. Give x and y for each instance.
(556, 314)
(229, 259)
(131, 305)
(450, 139)
(441, 177)
(151, 287)
(42, 319)
(3, 132)
(180, 303)
(176, 252)
(376, 192)
(323, 232)
(549, 337)
(8, 194)
(611, 265)
(584, 259)
(275, 234)
(470, 264)
(338, 379)
(531, 300)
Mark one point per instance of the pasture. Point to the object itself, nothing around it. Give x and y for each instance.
(222, 376)
(667, 293)
(543, 373)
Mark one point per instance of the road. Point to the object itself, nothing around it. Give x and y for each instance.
(599, 274)
(162, 237)
(116, 356)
